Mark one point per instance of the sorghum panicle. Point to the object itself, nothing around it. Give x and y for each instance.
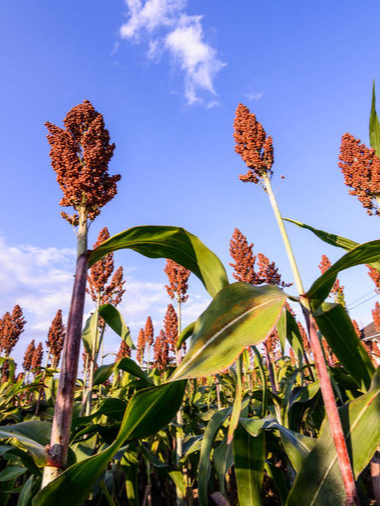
(28, 356)
(253, 145)
(241, 252)
(101, 270)
(113, 293)
(171, 327)
(37, 357)
(124, 351)
(178, 279)
(361, 171)
(374, 274)
(80, 153)
(161, 351)
(149, 331)
(140, 346)
(337, 289)
(56, 337)
(11, 327)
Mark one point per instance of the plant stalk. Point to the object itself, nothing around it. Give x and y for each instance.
(320, 363)
(60, 435)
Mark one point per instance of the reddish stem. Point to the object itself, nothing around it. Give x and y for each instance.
(60, 434)
(332, 412)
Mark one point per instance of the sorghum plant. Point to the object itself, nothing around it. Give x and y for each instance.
(11, 327)
(80, 153)
(256, 150)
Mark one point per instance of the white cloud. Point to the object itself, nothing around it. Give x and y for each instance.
(40, 281)
(167, 27)
(253, 96)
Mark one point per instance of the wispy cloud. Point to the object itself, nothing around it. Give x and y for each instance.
(40, 281)
(253, 96)
(166, 27)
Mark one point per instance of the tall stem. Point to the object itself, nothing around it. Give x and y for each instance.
(320, 363)
(60, 435)
(179, 417)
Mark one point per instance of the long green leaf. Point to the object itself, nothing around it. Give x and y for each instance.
(223, 460)
(288, 330)
(297, 446)
(240, 315)
(11, 473)
(374, 125)
(148, 412)
(249, 466)
(114, 319)
(363, 254)
(33, 435)
(174, 243)
(204, 468)
(319, 482)
(337, 328)
(89, 334)
(333, 239)
(130, 366)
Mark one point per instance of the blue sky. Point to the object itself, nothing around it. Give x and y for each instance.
(167, 75)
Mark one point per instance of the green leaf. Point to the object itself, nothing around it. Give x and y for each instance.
(333, 239)
(223, 460)
(362, 254)
(26, 493)
(130, 366)
(319, 482)
(279, 480)
(112, 407)
(288, 330)
(33, 435)
(236, 409)
(336, 326)
(204, 468)
(249, 466)
(11, 473)
(89, 334)
(102, 373)
(296, 445)
(113, 319)
(239, 315)
(185, 334)
(174, 243)
(374, 125)
(148, 412)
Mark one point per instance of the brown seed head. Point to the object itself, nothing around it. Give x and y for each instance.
(28, 356)
(101, 270)
(376, 316)
(149, 332)
(178, 278)
(305, 340)
(253, 145)
(171, 327)
(80, 153)
(56, 337)
(357, 328)
(11, 327)
(375, 276)
(140, 346)
(361, 171)
(161, 351)
(242, 254)
(37, 357)
(268, 273)
(124, 351)
(113, 293)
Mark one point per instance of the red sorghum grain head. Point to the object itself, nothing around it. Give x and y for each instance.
(80, 153)
(178, 280)
(161, 351)
(101, 270)
(361, 171)
(140, 346)
(56, 337)
(113, 293)
(171, 327)
(253, 145)
(149, 331)
(124, 351)
(375, 276)
(28, 356)
(37, 357)
(337, 289)
(268, 273)
(11, 327)
(241, 252)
